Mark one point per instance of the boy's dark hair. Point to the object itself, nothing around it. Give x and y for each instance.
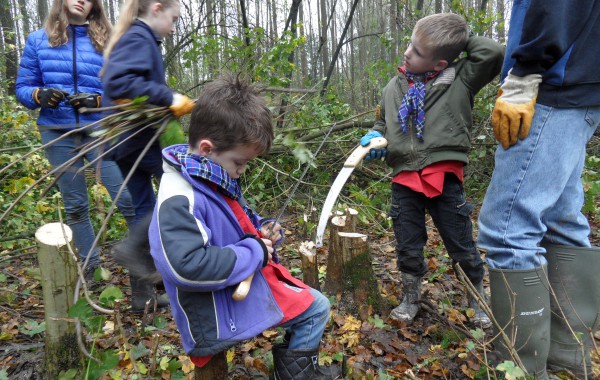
(445, 35)
(231, 112)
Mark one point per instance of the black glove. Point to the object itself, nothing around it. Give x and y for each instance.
(85, 99)
(48, 97)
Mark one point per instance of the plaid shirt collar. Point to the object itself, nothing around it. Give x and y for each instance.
(198, 166)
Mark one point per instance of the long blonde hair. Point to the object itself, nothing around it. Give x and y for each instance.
(130, 10)
(57, 23)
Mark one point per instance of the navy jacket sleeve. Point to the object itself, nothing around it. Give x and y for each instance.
(130, 71)
(549, 29)
(188, 259)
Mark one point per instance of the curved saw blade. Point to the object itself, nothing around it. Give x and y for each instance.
(353, 160)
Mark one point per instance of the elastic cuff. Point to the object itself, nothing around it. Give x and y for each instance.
(263, 246)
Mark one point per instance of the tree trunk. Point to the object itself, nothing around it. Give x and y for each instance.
(42, 8)
(215, 369)
(59, 276)
(111, 12)
(303, 50)
(11, 56)
(501, 26)
(25, 17)
(419, 8)
(339, 47)
(324, 50)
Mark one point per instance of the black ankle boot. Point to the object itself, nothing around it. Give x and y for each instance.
(142, 291)
(300, 365)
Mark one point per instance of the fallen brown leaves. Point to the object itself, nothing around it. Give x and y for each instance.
(438, 345)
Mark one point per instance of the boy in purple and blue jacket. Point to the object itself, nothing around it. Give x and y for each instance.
(205, 240)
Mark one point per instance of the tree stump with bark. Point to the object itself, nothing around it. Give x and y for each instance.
(350, 274)
(59, 276)
(335, 263)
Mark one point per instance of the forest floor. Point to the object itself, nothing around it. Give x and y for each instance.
(439, 344)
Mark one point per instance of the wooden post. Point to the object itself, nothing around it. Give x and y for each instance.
(310, 267)
(59, 277)
(215, 369)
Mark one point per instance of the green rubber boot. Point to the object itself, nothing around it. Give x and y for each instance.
(520, 301)
(575, 304)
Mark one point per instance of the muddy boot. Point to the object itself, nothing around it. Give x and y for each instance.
(406, 311)
(480, 319)
(134, 252)
(142, 291)
(521, 304)
(575, 303)
(300, 364)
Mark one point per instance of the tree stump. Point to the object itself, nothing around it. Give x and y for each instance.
(310, 267)
(59, 277)
(215, 369)
(358, 276)
(350, 274)
(335, 263)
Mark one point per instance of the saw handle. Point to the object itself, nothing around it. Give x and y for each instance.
(241, 291)
(359, 153)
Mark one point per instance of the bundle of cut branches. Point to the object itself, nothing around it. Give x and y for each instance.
(127, 120)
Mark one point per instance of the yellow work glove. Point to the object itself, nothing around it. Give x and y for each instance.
(514, 108)
(182, 105)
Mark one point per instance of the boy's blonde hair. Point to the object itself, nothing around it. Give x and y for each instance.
(57, 25)
(445, 35)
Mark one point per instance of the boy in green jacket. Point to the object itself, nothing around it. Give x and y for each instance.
(426, 116)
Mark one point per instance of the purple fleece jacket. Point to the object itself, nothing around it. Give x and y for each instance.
(202, 254)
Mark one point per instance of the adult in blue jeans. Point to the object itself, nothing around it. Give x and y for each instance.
(59, 74)
(543, 271)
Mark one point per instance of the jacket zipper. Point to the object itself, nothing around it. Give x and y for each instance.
(75, 72)
(221, 203)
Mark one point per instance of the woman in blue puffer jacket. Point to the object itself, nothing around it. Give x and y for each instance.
(59, 72)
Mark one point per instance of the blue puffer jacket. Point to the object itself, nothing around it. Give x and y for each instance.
(72, 67)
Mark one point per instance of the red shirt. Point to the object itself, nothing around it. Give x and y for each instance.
(430, 180)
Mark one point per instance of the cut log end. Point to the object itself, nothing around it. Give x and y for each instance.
(308, 250)
(353, 235)
(54, 234)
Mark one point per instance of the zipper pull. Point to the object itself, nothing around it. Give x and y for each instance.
(232, 325)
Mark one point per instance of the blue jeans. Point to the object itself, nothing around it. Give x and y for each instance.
(536, 193)
(73, 188)
(306, 330)
(140, 183)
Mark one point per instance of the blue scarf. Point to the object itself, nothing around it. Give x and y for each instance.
(414, 102)
(201, 167)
